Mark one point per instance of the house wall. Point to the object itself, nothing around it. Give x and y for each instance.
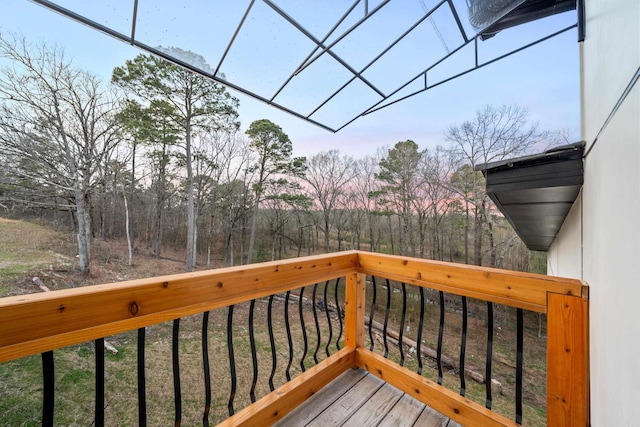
(600, 239)
(565, 256)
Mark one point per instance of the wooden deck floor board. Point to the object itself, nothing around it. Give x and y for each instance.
(361, 399)
(404, 413)
(310, 409)
(376, 408)
(341, 410)
(432, 418)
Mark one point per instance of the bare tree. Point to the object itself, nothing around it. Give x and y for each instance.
(495, 133)
(435, 195)
(328, 174)
(58, 120)
(365, 186)
(220, 157)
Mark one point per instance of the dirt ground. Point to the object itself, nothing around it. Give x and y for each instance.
(29, 250)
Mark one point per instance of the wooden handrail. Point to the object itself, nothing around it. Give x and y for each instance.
(512, 288)
(41, 322)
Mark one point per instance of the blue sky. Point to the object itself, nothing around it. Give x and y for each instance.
(544, 78)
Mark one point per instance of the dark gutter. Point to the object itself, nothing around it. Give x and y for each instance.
(535, 193)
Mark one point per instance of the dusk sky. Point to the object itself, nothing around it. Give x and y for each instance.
(544, 79)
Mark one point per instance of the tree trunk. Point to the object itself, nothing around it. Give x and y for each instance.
(492, 237)
(210, 241)
(243, 237)
(160, 212)
(401, 236)
(466, 233)
(274, 242)
(254, 223)
(114, 204)
(437, 255)
(372, 245)
(191, 218)
(421, 227)
(391, 234)
(231, 261)
(159, 232)
(83, 242)
(132, 188)
(358, 229)
(477, 238)
(326, 234)
(102, 214)
(126, 222)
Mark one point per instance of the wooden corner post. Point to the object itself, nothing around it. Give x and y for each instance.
(567, 361)
(354, 310)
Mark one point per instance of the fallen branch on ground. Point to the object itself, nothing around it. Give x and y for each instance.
(39, 283)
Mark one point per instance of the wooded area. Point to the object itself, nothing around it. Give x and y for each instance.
(156, 157)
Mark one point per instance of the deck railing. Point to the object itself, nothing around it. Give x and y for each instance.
(40, 323)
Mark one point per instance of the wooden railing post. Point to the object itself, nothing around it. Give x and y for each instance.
(567, 361)
(354, 307)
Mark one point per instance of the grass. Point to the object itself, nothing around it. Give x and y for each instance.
(27, 247)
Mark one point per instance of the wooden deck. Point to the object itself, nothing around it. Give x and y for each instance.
(360, 399)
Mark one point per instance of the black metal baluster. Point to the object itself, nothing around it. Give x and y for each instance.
(326, 311)
(440, 335)
(177, 393)
(99, 415)
(372, 312)
(206, 369)
(401, 332)
(339, 310)
(289, 339)
(304, 332)
(386, 320)
(48, 388)
(232, 360)
(272, 343)
(463, 346)
(254, 355)
(489, 361)
(315, 320)
(142, 382)
(420, 327)
(519, 357)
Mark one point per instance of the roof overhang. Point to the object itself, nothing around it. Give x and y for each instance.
(528, 11)
(535, 193)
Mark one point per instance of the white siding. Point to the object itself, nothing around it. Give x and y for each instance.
(565, 255)
(600, 240)
(612, 267)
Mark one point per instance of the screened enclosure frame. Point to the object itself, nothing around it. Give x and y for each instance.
(340, 78)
